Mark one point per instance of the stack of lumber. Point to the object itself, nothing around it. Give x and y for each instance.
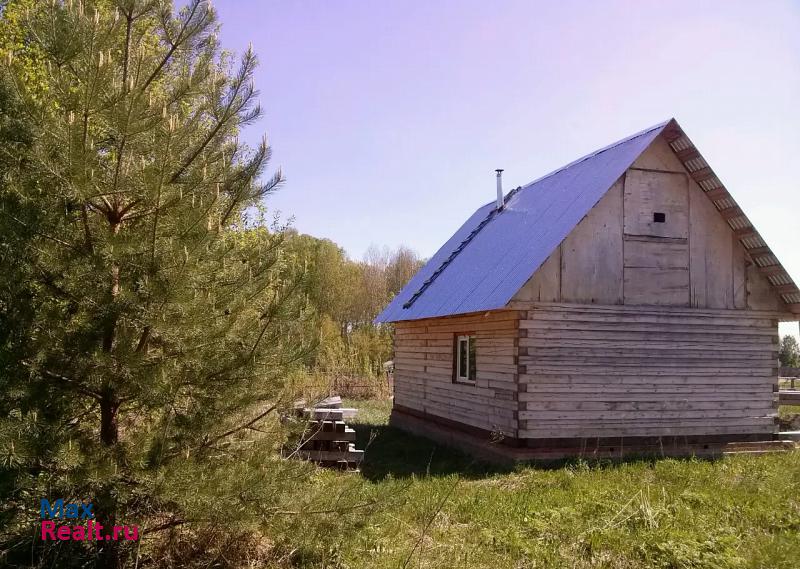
(328, 441)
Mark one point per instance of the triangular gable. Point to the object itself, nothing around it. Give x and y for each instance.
(494, 253)
(764, 259)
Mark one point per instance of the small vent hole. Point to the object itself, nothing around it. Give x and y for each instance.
(659, 217)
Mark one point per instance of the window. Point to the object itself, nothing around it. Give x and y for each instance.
(659, 217)
(465, 359)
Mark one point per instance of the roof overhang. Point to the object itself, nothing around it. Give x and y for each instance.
(762, 256)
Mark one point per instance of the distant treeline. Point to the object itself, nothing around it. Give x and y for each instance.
(346, 296)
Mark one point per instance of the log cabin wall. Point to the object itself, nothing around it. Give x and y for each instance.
(619, 255)
(424, 381)
(642, 325)
(649, 320)
(614, 371)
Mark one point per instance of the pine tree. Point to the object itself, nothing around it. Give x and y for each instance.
(789, 352)
(143, 314)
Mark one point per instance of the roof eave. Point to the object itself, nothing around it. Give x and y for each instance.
(756, 247)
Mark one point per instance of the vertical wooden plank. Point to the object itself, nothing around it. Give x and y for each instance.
(739, 274)
(659, 156)
(591, 255)
(760, 294)
(710, 254)
(657, 287)
(545, 284)
(648, 192)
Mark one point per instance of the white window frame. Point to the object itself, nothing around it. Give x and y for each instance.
(458, 377)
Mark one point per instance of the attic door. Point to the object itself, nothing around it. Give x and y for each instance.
(656, 238)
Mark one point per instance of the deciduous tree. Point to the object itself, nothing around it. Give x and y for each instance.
(789, 353)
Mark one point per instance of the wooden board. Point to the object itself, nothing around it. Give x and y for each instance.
(659, 156)
(592, 265)
(739, 274)
(647, 192)
(545, 284)
(789, 397)
(760, 294)
(591, 255)
(656, 286)
(348, 435)
(350, 456)
(643, 252)
(711, 243)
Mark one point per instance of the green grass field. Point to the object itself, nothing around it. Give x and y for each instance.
(438, 508)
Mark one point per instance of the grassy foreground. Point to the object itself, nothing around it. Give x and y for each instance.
(440, 509)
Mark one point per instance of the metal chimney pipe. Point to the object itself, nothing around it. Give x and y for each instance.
(499, 188)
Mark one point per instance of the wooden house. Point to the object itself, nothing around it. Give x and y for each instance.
(621, 303)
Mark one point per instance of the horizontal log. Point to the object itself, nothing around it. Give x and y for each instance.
(645, 354)
(403, 336)
(628, 393)
(631, 396)
(484, 315)
(686, 320)
(505, 377)
(644, 377)
(482, 410)
(648, 310)
(643, 327)
(687, 404)
(651, 362)
(646, 416)
(480, 421)
(766, 427)
(540, 337)
(612, 342)
(639, 370)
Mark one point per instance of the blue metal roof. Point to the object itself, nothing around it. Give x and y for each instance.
(481, 267)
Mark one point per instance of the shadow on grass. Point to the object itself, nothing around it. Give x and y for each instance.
(393, 452)
(396, 453)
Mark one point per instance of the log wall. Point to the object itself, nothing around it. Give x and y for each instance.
(423, 370)
(636, 326)
(618, 371)
(618, 254)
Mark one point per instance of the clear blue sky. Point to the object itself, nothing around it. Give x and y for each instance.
(389, 117)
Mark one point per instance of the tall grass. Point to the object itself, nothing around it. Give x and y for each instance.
(739, 512)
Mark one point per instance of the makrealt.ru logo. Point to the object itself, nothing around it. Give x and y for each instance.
(91, 531)
(71, 510)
